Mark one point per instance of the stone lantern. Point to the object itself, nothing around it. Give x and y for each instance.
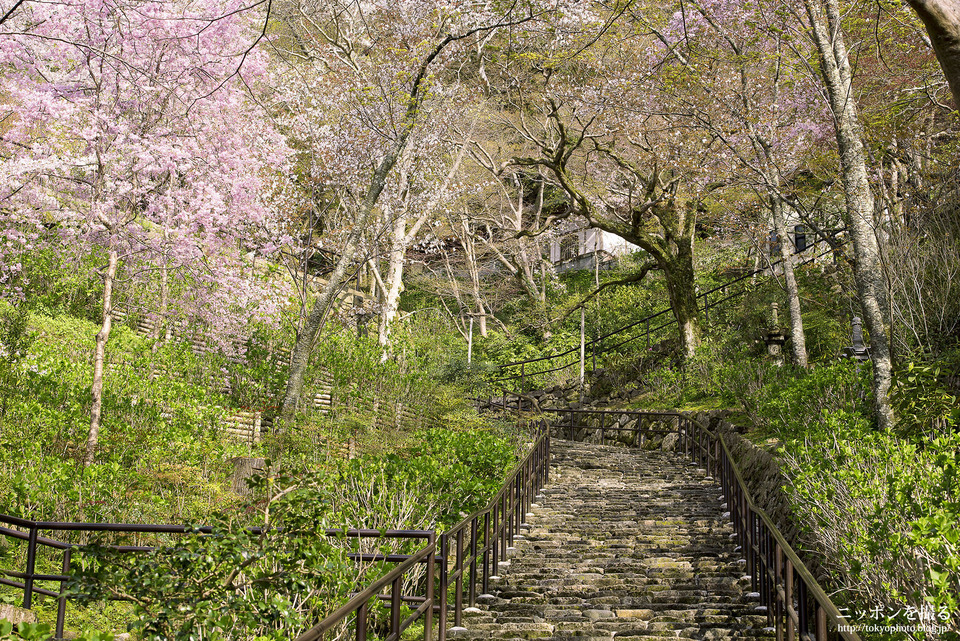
(858, 350)
(775, 338)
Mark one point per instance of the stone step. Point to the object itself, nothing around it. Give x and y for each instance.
(625, 545)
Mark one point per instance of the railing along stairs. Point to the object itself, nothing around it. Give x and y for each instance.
(517, 374)
(461, 561)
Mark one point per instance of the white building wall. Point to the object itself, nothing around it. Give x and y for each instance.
(588, 241)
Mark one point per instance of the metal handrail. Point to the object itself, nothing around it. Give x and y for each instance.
(501, 517)
(481, 541)
(470, 553)
(30, 576)
(492, 531)
(776, 578)
(595, 346)
(360, 602)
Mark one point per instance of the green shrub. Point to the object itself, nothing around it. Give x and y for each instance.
(42, 632)
(923, 406)
(882, 513)
(231, 583)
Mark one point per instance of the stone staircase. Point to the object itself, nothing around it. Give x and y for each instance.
(622, 544)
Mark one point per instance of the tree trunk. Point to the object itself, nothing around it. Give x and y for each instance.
(300, 356)
(164, 304)
(245, 467)
(482, 318)
(798, 342)
(394, 283)
(96, 389)
(942, 20)
(474, 269)
(681, 288)
(868, 274)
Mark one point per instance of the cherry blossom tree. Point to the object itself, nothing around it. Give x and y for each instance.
(518, 205)
(424, 183)
(737, 77)
(362, 78)
(594, 117)
(130, 131)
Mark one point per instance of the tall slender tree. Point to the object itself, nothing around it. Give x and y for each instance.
(822, 19)
(378, 64)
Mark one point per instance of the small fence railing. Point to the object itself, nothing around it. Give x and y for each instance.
(458, 561)
(29, 579)
(461, 561)
(795, 603)
(359, 605)
(518, 373)
(468, 555)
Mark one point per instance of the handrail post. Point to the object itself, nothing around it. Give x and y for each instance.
(788, 597)
(485, 583)
(523, 376)
(495, 561)
(62, 601)
(395, 607)
(781, 606)
(432, 592)
(821, 624)
(804, 613)
(511, 504)
(751, 550)
(31, 566)
(603, 420)
(516, 507)
(443, 588)
(458, 588)
(362, 621)
(504, 530)
(472, 594)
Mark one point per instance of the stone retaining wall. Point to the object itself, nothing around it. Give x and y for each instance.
(631, 428)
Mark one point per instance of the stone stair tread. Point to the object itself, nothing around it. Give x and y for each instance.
(623, 544)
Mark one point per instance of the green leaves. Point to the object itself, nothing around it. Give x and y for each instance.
(42, 632)
(923, 406)
(230, 583)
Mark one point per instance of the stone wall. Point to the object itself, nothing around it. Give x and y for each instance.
(632, 428)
